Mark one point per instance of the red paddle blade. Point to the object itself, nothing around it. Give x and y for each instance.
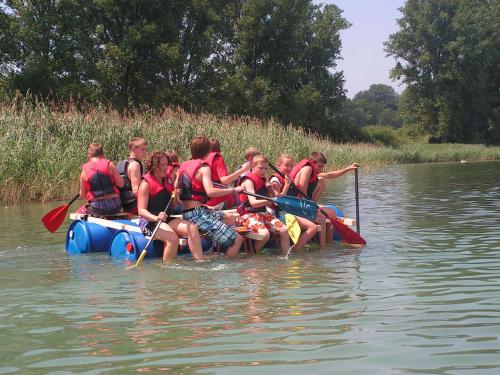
(349, 236)
(53, 219)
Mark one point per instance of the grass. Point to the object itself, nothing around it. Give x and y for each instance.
(43, 148)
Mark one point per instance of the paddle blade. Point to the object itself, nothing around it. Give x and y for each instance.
(292, 227)
(299, 207)
(349, 236)
(54, 218)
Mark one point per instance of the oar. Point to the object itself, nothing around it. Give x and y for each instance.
(293, 205)
(54, 218)
(357, 199)
(144, 251)
(292, 225)
(349, 236)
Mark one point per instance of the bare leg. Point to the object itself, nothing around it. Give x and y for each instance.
(259, 244)
(234, 249)
(189, 229)
(230, 218)
(329, 227)
(170, 241)
(284, 240)
(309, 230)
(320, 219)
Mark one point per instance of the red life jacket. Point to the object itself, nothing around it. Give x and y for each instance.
(159, 192)
(313, 181)
(259, 188)
(210, 161)
(191, 189)
(98, 181)
(171, 168)
(216, 178)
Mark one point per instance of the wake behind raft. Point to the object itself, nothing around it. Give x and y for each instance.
(123, 239)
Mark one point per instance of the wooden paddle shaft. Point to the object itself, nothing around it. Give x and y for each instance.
(356, 190)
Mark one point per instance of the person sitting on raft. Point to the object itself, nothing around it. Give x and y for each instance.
(131, 170)
(281, 186)
(155, 192)
(173, 169)
(99, 184)
(250, 153)
(195, 183)
(306, 175)
(219, 174)
(253, 210)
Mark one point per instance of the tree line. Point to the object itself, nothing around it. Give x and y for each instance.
(264, 58)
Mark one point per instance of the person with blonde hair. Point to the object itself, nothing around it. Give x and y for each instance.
(99, 184)
(252, 210)
(283, 186)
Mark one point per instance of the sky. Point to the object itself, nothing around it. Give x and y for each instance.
(364, 62)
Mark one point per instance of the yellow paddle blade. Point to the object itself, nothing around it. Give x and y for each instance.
(292, 227)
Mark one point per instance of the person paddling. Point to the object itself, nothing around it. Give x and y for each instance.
(220, 175)
(196, 187)
(282, 186)
(253, 210)
(99, 184)
(309, 177)
(155, 191)
(131, 170)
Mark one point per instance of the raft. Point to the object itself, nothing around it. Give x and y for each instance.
(122, 238)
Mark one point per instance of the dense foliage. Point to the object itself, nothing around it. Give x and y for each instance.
(448, 54)
(266, 58)
(379, 105)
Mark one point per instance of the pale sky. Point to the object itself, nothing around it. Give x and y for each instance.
(364, 62)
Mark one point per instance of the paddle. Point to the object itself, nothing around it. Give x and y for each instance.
(349, 236)
(54, 218)
(292, 225)
(295, 206)
(357, 199)
(144, 251)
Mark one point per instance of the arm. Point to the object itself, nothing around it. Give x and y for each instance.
(254, 202)
(278, 189)
(134, 174)
(303, 177)
(320, 188)
(206, 179)
(142, 204)
(83, 189)
(340, 172)
(226, 179)
(114, 171)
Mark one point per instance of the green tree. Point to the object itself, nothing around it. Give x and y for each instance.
(284, 52)
(448, 54)
(376, 106)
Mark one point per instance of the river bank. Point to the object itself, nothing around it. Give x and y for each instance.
(44, 148)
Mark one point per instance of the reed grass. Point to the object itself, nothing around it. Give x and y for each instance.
(43, 147)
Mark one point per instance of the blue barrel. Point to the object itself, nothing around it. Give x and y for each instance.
(84, 237)
(338, 212)
(128, 245)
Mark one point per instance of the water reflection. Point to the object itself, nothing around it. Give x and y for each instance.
(422, 297)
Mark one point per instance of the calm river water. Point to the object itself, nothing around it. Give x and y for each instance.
(422, 297)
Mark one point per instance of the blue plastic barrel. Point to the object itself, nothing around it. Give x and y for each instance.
(128, 245)
(338, 212)
(84, 237)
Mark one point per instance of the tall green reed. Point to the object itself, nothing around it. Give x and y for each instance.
(43, 147)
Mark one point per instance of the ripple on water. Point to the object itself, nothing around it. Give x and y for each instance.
(421, 297)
